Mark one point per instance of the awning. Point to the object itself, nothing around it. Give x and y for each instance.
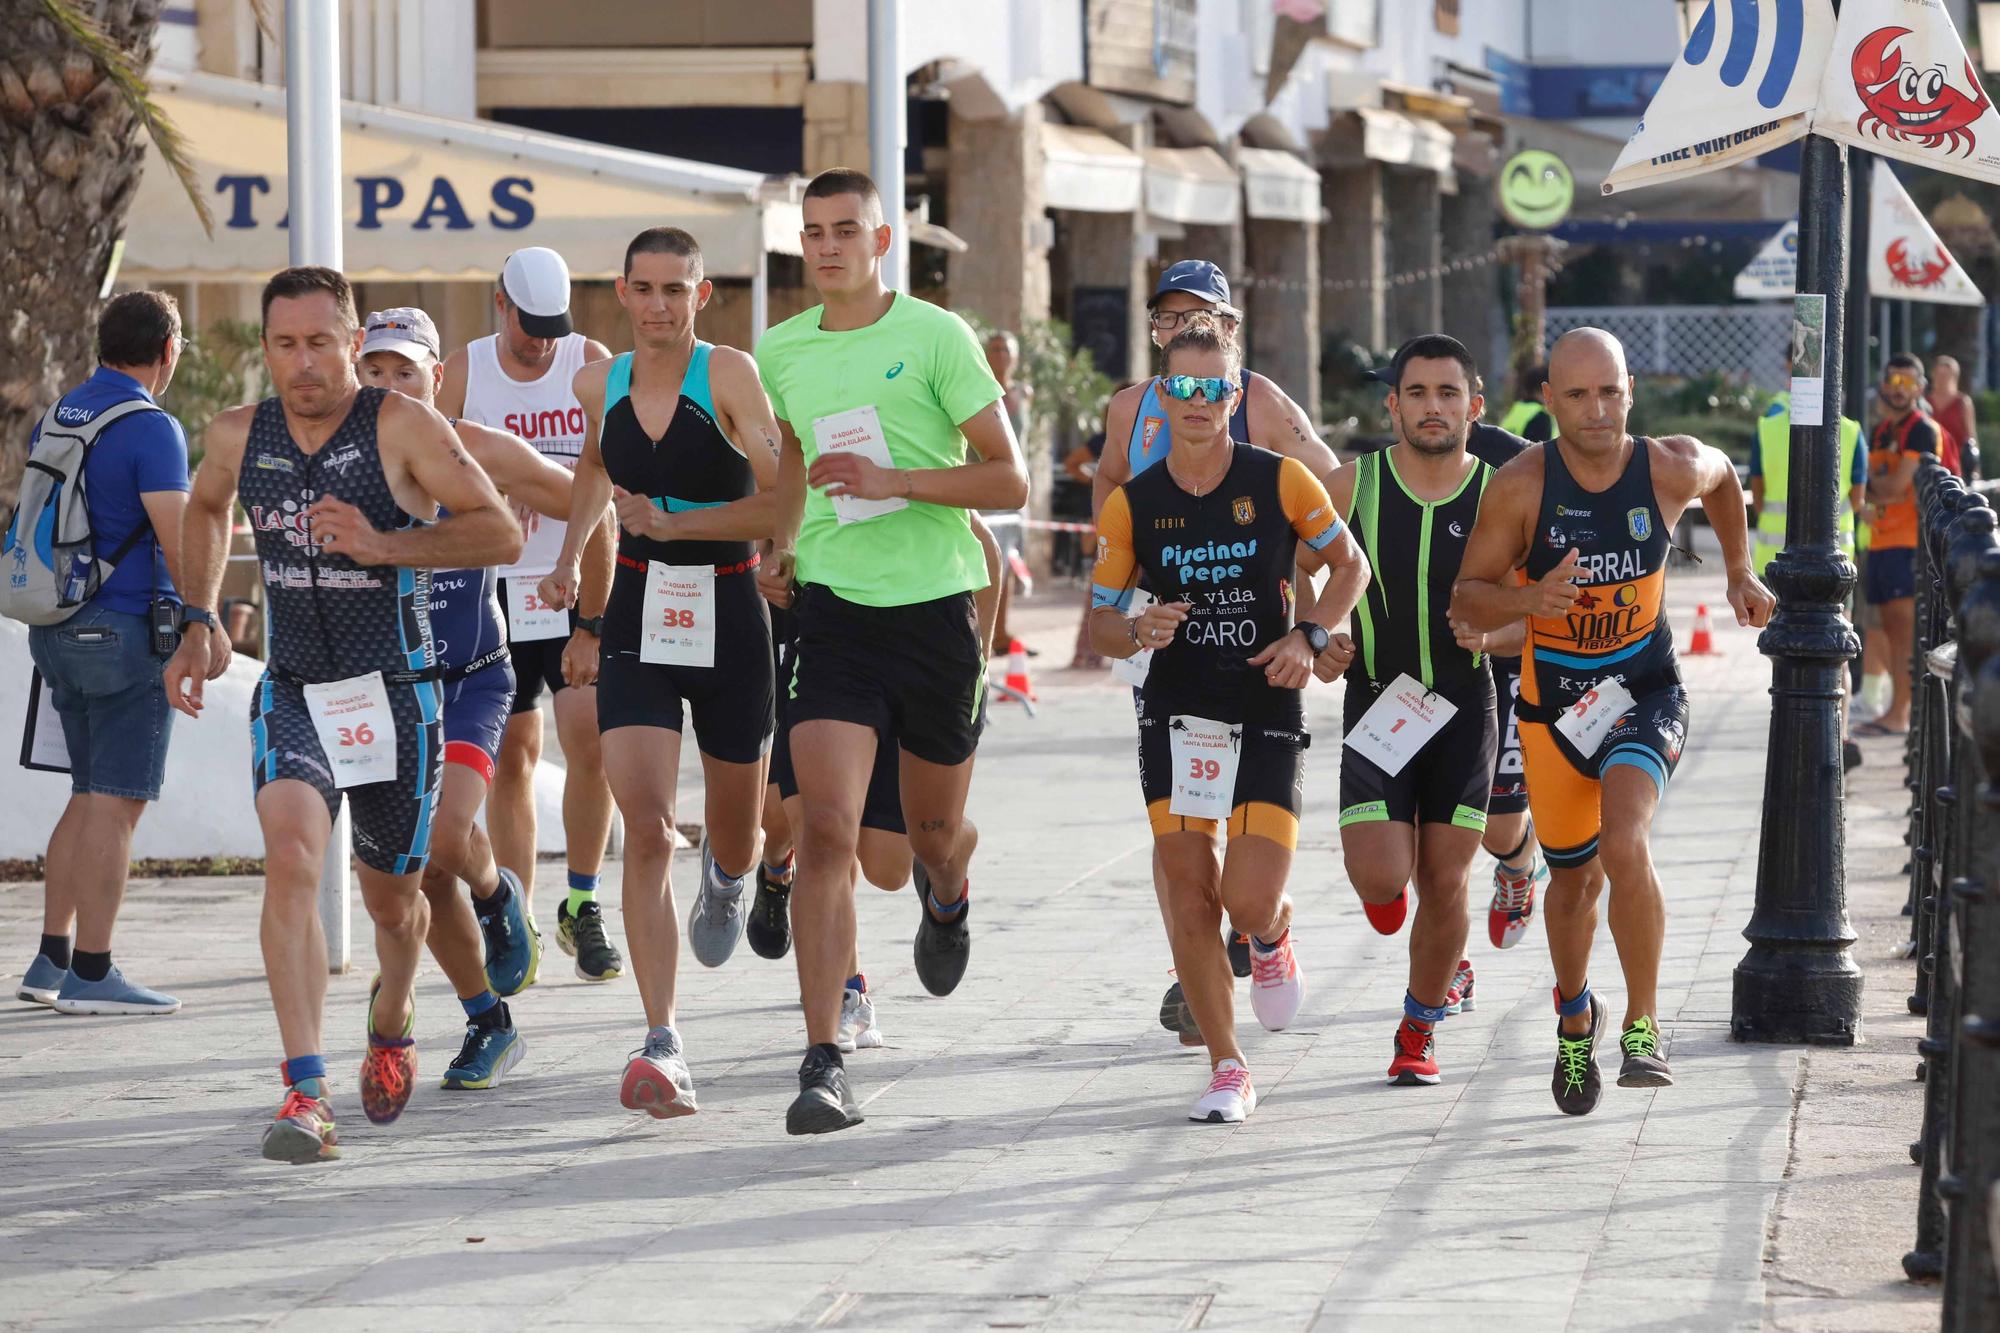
(426, 197)
(1193, 185)
(1277, 187)
(1088, 171)
(1404, 141)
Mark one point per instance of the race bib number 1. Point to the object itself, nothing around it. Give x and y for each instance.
(1585, 723)
(529, 617)
(355, 728)
(1204, 756)
(679, 624)
(1399, 723)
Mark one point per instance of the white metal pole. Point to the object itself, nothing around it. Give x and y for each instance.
(312, 125)
(888, 130)
(760, 297)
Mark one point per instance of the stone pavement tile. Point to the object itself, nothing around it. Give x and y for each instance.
(1663, 1304)
(1195, 1275)
(1525, 1315)
(1412, 1270)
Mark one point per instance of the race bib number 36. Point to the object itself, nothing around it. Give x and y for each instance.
(1204, 757)
(679, 616)
(529, 617)
(1585, 723)
(1399, 724)
(355, 729)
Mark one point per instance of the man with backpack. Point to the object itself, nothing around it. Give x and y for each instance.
(89, 562)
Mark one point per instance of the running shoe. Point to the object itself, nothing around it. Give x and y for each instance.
(715, 922)
(488, 1053)
(389, 1070)
(825, 1103)
(1458, 1000)
(41, 981)
(1644, 1066)
(1175, 1016)
(657, 1079)
(769, 928)
(113, 995)
(1513, 905)
(1239, 953)
(1229, 1100)
(1415, 1062)
(582, 938)
(1277, 986)
(1387, 918)
(857, 1022)
(302, 1131)
(513, 949)
(1577, 1085)
(942, 948)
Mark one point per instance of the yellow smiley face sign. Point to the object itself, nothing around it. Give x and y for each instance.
(1536, 190)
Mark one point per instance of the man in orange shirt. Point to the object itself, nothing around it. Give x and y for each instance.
(1895, 448)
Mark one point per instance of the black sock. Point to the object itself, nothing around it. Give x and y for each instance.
(55, 948)
(490, 906)
(830, 1051)
(90, 966)
(494, 1018)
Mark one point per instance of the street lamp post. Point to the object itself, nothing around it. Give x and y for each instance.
(1799, 981)
(888, 130)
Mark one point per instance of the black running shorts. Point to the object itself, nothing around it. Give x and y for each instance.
(731, 701)
(1270, 775)
(913, 672)
(1449, 781)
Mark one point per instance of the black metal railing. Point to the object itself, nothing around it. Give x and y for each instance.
(1954, 838)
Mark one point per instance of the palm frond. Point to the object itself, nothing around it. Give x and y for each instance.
(167, 137)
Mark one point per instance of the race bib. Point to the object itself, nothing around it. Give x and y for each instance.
(1399, 724)
(355, 729)
(679, 625)
(541, 545)
(1585, 723)
(1132, 670)
(857, 431)
(1204, 757)
(529, 617)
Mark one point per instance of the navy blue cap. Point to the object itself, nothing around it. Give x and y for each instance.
(1196, 277)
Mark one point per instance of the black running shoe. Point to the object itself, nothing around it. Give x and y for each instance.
(943, 948)
(1576, 1084)
(1239, 954)
(769, 928)
(582, 937)
(1644, 1066)
(1175, 1016)
(825, 1103)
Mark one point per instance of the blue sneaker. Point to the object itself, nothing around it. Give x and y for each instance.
(41, 981)
(513, 949)
(485, 1058)
(113, 995)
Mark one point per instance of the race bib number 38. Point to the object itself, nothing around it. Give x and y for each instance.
(679, 615)
(355, 729)
(1204, 757)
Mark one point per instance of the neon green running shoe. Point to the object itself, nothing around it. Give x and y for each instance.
(1576, 1084)
(1643, 1067)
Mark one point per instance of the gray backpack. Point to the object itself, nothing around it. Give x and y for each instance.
(48, 562)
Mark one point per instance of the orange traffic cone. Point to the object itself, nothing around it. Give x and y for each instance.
(1703, 642)
(1017, 682)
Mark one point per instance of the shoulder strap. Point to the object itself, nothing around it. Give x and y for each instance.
(90, 430)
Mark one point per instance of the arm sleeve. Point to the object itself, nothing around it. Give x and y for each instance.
(961, 380)
(1306, 504)
(1117, 563)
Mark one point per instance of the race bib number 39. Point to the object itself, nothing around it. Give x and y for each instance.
(1399, 724)
(1204, 757)
(355, 729)
(857, 431)
(529, 617)
(679, 623)
(1585, 723)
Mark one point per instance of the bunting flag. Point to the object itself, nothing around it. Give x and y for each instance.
(1899, 83)
(1906, 260)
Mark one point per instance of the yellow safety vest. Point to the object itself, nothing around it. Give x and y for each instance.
(1774, 448)
(1519, 415)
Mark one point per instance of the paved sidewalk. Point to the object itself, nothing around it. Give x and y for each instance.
(1026, 1160)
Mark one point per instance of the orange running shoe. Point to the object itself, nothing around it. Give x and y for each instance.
(389, 1070)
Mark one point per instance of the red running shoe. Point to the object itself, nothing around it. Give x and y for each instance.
(1387, 918)
(389, 1070)
(1415, 1063)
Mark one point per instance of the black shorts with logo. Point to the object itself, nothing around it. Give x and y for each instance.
(1270, 769)
(1510, 772)
(882, 807)
(912, 672)
(1449, 781)
(731, 701)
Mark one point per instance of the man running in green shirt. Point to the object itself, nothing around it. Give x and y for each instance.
(892, 428)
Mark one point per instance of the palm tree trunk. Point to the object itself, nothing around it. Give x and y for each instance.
(71, 147)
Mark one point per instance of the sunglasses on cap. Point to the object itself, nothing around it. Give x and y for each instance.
(1210, 387)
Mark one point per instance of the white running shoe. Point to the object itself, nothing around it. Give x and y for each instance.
(857, 1021)
(1277, 986)
(657, 1080)
(1229, 1100)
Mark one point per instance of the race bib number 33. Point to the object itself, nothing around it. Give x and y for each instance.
(529, 617)
(1585, 723)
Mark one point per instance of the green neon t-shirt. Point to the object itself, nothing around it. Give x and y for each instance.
(921, 368)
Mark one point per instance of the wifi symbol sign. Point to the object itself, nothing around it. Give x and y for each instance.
(1746, 19)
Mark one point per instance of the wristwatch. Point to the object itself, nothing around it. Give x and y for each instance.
(1315, 636)
(195, 615)
(595, 624)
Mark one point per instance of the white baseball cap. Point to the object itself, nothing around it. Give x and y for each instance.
(536, 280)
(404, 330)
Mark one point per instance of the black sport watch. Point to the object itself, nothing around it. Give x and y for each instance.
(195, 615)
(1315, 635)
(595, 624)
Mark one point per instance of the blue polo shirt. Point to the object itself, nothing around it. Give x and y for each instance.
(142, 453)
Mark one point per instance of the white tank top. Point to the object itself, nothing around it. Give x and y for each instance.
(544, 412)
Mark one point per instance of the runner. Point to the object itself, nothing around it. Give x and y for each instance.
(1586, 518)
(338, 481)
(1895, 448)
(520, 380)
(399, 352)
(879, 398)
(680, 436)
(1417, 767)
(1190, 291)
(1222, 734)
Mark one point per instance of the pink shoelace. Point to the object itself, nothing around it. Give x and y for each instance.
(1273, 968)
(1234, 1079)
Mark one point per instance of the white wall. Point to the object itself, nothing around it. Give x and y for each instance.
(1022, 48)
